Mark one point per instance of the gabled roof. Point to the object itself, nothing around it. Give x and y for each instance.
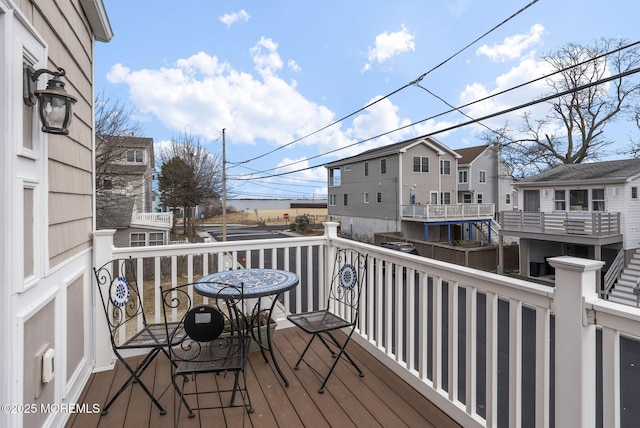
(469, 154)
(616, 171)
(396, 148)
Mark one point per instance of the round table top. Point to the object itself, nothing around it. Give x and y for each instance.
(256, 282)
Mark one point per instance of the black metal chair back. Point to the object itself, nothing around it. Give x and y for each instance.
(124, 310)
(216, 340)
(349, 271)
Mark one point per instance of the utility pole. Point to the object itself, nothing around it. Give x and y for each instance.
(224, 189)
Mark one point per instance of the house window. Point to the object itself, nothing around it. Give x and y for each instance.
(379, 196)
(597, 199)
(156, 238)
(445, 198)
(137, 239)
(445, 167)
(482, 176)
(345, 199)
(466, 198)
(463, 176)
(334, 177)
(420, 164)
(480, 198)
(135, 156)
(366, 169)
(507, 199)
(366, 197)
(332, 199)
(560, 203)
(579, 200)
(634, 193)
(383, 166)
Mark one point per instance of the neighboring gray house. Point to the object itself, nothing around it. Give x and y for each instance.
(125, 194)
(483, 177)
(409, 187)
(589, 210)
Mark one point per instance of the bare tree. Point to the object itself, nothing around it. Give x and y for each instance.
(114, 125)
(573, 131)
(190, 176)
(634, 146)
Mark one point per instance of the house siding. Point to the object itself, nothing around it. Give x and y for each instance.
(47, 190)
(630, 212)
(425, 183)
(354, 184)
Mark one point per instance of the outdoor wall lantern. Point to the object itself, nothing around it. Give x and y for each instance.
(55, 103)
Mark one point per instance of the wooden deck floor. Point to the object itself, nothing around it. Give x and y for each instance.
(380, 398)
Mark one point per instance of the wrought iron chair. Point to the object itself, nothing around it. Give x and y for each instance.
(217, 341)
(127, 322)
(341, 311)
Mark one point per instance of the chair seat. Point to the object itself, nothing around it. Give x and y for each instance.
(224, 353)
(154, 335)
(318, 321)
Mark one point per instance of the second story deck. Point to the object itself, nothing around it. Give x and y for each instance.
(447, 212)
(488, 350)
(603, 226)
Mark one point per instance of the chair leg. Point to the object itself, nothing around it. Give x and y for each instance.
(343, 352)
(337, 356)
(135, 378)
(182, 400)
(304, 352)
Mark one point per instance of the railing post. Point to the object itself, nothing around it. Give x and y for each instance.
(102, 253)
(575, 342)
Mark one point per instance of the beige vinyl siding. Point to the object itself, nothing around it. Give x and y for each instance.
(70, 163)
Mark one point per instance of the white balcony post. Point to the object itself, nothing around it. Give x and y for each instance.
(575, 342)
(102, 253)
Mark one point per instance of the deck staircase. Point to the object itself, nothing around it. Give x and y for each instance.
(622, 292)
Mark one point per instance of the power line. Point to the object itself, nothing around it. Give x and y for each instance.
(620, 48)
(420, 78)
(470, 122)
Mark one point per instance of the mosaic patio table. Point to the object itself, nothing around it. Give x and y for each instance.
(256, 284)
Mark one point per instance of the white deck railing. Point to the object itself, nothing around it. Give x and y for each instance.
(163, 220)
(437, 325)
(448, 212)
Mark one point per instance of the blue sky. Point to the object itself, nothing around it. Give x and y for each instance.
(271, 72)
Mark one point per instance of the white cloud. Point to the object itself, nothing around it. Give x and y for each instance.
(512, 47)
(528, 69)
(201, 95)
(293, 66)
(231, 18)
(389, 45)
(457, 7)
(266, 57)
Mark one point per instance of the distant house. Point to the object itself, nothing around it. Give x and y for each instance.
(125, 192)
(483, 177)
(409, 187)
(589, 210)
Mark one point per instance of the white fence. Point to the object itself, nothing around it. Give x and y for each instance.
(479, 345)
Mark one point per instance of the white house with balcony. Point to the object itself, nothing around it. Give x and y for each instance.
(125, 193)
(589, 210)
